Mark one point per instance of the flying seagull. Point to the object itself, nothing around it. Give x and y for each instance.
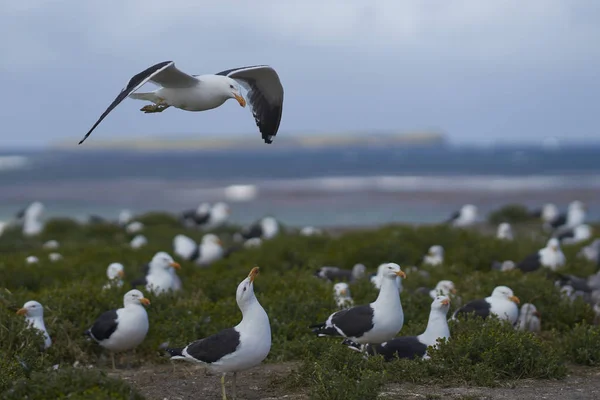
(205, 92)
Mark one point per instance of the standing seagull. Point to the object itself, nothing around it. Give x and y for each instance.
(550, 256)
(160, 276)
(234, 349)
(205, 92)
(375, 323)
(466, 216)
(123, 329)
(34, 316)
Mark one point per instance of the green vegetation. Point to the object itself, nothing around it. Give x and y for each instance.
(511, 213)
(477, 354)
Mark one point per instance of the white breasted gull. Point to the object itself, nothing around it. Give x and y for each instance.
(548, 213)
(466, 216)
(34, 315)
(575, 235)
(196, 217)
(138, 242)
(54, 257)
(266, 228)
(375, 323)
(412, 347)
(377, 278)
(443, 288)
(234, 349)
(575, 215)
(207, 252)
(115, 273)
(218, 215)
(33, 223)
(125, 217)
(160, 276)
(529, 319)
(205, 92)
(550, 257)
(435, 256)
(134, 227)
(122, 329)
(502, 303)
(331, 274)
(504, 231)
(341, 294)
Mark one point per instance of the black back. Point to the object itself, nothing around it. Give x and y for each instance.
(355, 321)
(480, 307)
(215, 347)
(560, 221)
(267, 116)
(568, 234)
(530, 263)
(141, 281)
(131, 85)
(21, 213)
(401, 347)
(104, 326)
(537, 213)
(254, 231)
(196, 254)
(454, 216)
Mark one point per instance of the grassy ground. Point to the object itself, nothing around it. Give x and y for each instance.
(478, 355)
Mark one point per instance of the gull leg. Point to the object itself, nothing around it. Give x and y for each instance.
(154, 108)
(234, 376)
(223, 387)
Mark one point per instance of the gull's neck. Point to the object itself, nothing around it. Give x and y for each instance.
(37, 322)
(254, 316)
(388, 293)
(437, 327)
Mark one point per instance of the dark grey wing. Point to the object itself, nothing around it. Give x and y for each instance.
(480, 307)
(215, 347)
(530, 263)
(355, 321)
(454, 216)
(565, 234)
(21, 213)
(265, 95)
(537, 213)
(134, 84)
(254, 231)
(104, 326)
(560, 221)
(577, 283)
(142, 280)
(402, 347)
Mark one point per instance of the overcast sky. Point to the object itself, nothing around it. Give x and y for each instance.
(481, 71)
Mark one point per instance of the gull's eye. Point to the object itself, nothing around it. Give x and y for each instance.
(245, 288)
(231, 86)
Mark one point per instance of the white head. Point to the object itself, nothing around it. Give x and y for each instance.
(441, 303)
(508, 265)
(359, 270)
(469, 211)
(270, 227)
(567, 290)
(576, 206)
(504, 229)
(135, 297)
(392, 270)
(506, 293)
(553, 244)
(124, 217)
(549, 212)
(115, 270)
(341, 289)
(163, 260)
(221, 208)
(436, 251)
(244, 294)
(230, 89)
(35, 210)
(211, 239)
(445, 288)
(203, 208)
(528, 309)
(32, 309)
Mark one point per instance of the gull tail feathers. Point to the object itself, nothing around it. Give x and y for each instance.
(151, 96)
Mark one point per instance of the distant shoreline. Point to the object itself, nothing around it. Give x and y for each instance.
(190, 142)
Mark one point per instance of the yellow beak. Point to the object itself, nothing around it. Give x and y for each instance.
(175, 265)
(445, 302)
(121, 274)
(537, 314)
(240, 100)
(515, 299)
(145, 301)
(453, 291)
(401, 274)
(22, 311)
(253, 274)
(343, 292)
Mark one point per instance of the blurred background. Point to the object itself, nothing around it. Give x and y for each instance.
(394, 111)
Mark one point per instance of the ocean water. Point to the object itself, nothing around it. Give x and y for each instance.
(321, 187)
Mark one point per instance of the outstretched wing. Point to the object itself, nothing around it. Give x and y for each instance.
(265, 95)
(164, 74)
